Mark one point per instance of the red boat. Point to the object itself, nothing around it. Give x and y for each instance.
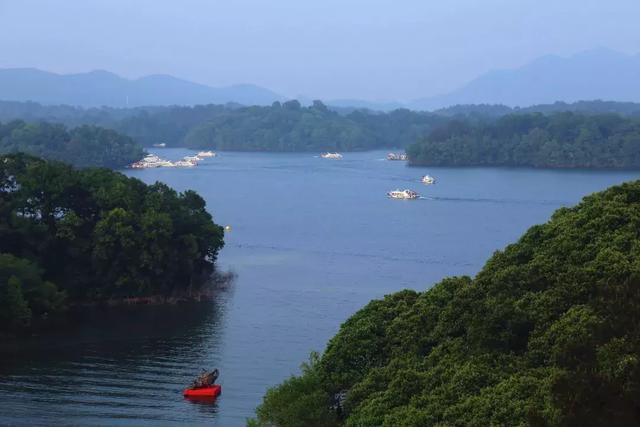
(209, 391)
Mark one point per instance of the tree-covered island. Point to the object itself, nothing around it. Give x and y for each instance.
(71, 236)
(557, 140)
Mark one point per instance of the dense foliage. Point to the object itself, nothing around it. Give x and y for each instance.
(281, 127)
(291, 127)
(547, 334)
(582, 107)
(96, 234)
(82, 146)
(562, 140)
(460, 135)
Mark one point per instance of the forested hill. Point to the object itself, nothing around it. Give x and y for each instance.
(583, 107)
(82, 146)
(289, 126)
(281, 127)
(286, 126)
(83, 235)
(547, 334)
(561, 140)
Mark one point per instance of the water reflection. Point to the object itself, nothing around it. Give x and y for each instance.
(205, 405)
(113, 366)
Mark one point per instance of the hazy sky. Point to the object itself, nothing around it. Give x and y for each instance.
(368, 49)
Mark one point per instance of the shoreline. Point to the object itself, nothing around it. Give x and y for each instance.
(217, 282)
(59, 322)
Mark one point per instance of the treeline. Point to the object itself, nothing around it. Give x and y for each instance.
(83, 146)
(83, 235)
(461, 135)
(284, 126)
(583, 107)
(281, 127)
(547, 334)
(561, 140)
(291, 127)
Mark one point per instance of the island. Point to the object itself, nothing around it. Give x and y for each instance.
(88, 236)
(545, 334)
(557, 140)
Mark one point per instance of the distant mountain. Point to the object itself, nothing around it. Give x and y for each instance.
(102, 88)
(589, 75)
(593, 74)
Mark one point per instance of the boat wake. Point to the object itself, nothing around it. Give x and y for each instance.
(499, 201)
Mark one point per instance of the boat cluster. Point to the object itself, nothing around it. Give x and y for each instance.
(410, 194)
(407, 194)
(153, 161)
(395, 194)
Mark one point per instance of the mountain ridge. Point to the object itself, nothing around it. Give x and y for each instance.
(103, 88)
(598, 73)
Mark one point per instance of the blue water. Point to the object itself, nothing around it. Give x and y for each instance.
(312, 241)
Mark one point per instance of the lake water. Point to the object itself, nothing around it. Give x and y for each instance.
(312, 241)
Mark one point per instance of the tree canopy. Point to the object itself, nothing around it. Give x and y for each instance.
(83, 146)
(79, 235)
(597, 135)
(291, 127)
(547, 334)
(582, 107)
(560, 140)
(286, 126)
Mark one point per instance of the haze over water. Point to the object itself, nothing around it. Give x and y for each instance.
(312, 241)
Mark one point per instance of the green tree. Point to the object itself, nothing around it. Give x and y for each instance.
(82, 146)
(558, 140)
(14, 309)
(98, 235)
(24, 294)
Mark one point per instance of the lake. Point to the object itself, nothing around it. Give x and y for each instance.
(312, 241)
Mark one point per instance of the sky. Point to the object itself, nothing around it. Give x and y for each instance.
(378, 50)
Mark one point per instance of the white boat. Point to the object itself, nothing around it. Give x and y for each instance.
(427, 179)
(403, 194)
(160, 145)
(192, 158)
(206, 154)
(396, 156)
(335, 156)
(185, 164)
